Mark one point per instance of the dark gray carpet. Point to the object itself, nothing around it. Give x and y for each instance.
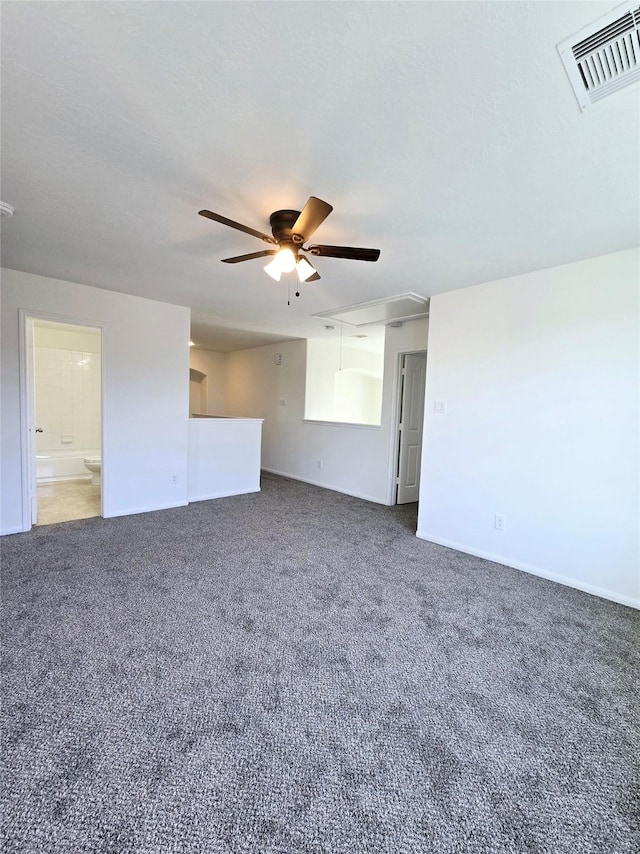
(293, 671)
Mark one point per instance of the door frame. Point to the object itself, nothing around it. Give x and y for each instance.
(395, 420)
(27, 400)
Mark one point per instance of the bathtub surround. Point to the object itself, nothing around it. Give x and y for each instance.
(67, 375)
(68, 388)
(295, 671)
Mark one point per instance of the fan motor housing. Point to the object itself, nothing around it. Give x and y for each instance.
(281, 223)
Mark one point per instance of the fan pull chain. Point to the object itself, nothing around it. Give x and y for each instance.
(289, 292)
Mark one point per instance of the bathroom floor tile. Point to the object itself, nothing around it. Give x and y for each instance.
(67, 500)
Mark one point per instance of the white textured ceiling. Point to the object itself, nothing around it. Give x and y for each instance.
(444, 134)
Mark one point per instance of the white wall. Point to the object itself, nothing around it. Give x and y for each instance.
(355, 459)
(540, 373)
(224, 457)
(214, 366)
(145, 369)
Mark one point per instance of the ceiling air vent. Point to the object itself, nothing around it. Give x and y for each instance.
(605, 56)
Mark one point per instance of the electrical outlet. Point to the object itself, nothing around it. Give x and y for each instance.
(174, 478)
(499, 522)
(319, 464)
(283, 401)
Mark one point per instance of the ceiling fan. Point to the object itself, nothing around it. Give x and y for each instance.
(291, 230)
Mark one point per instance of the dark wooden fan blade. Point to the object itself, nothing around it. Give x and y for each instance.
(232, 224)
(249, 257)
(345, 252)
(316, 277)
(312, 215)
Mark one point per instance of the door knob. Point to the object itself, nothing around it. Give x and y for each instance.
(39, 430)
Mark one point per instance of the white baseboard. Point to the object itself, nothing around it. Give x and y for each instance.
(15, 530)
(150, 509)
(611, 595)
(326, 486)
(193, 498)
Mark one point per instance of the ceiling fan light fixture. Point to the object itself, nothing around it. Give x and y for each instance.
(273, 269)
(287, 260)
(283, 262)
(290, 230)
(304, 269)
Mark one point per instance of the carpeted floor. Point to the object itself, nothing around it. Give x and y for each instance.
(293, 671)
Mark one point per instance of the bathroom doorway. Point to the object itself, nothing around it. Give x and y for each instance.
(65, 420)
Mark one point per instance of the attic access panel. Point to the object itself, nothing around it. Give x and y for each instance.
(604, 57)
(382, 311)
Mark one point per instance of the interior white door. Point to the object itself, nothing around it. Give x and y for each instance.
(414, 370)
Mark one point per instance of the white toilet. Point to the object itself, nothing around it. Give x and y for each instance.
(94, 464)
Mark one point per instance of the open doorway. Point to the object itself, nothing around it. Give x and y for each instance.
(65, 421)
(411, 388)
